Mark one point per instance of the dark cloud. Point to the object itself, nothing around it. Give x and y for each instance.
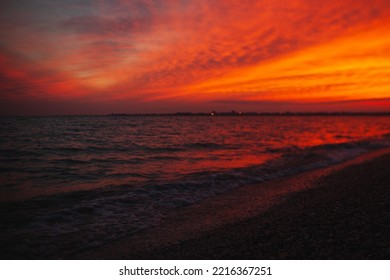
(98, 25)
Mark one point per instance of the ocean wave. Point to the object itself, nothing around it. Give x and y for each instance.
(84, 219)
(210, 145)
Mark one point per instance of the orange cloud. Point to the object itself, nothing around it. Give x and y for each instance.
(145, 51)
(355, 66)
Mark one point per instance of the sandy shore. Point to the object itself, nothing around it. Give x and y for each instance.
(338, 212)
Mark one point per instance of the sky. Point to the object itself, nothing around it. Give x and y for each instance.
(166, 56)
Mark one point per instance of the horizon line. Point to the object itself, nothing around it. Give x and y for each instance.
(216, 114)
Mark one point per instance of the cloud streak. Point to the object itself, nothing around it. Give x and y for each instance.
(192, 52)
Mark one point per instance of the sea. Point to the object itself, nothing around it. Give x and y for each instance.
(71, 183)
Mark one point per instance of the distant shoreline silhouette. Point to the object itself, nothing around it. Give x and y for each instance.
(240, 114)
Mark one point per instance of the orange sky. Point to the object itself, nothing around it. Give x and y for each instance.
(144, 56)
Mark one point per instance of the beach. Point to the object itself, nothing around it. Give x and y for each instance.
(337, 212)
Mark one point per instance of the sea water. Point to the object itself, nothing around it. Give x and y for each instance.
(68, 183)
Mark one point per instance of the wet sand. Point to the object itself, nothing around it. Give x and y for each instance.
(338, 212)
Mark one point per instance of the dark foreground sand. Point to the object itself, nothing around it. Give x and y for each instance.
(340, 212)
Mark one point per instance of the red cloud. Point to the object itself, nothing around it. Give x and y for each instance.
(196, 51)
